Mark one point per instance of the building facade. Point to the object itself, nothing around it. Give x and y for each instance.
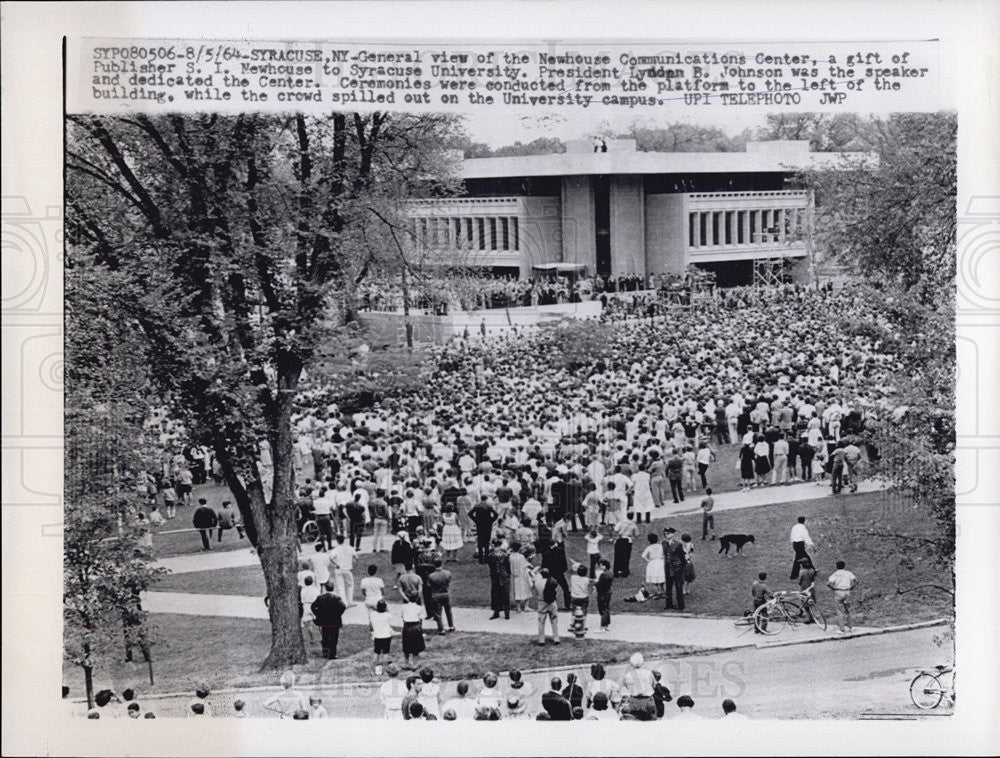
(620, 212)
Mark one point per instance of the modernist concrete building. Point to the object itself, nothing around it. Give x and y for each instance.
(620, 212)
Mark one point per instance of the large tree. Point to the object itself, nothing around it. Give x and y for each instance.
(240, 242)
(892, 224)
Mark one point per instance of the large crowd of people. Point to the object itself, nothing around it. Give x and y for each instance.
(514, 449)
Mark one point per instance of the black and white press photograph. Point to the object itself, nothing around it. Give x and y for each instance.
(370, 416)
(396, 363)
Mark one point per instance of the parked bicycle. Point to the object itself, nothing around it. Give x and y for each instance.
(786, 608)
(930, 687)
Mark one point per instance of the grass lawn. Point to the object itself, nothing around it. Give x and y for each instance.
(225, 652)
(187, 542)
(722, 587)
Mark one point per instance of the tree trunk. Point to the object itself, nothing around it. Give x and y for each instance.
(88, 678)
(279, 543)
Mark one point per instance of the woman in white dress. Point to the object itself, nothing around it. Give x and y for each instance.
(451, 535)
(655, 570)
(642, 499)
(520, 575)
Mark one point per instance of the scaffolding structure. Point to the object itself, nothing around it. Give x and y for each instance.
(769, 272)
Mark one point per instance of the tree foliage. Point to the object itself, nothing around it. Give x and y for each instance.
(894, 223)
(684, 138)
(894, 226)
(108, 388)
(239, 243)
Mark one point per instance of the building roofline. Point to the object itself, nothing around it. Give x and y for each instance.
(760, 157)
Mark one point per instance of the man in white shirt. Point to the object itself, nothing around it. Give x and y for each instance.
(320, 562)
(779, 474)
(800, 540)
(343, 555)
(322, 511)
(842, 582)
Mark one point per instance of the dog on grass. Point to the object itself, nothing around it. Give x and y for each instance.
(733, 540)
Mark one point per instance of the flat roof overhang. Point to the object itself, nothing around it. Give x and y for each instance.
(585, 164)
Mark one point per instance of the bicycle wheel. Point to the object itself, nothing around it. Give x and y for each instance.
(817, 615)
(926, 691)
(770, 619)
(310, 531)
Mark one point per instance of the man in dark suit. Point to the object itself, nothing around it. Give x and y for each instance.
(555, 704)
(560, 499)
(674, 560)
(574, 493)
(483, 515)
(328, 610)
(204, 520)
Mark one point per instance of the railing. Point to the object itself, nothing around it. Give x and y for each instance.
(804, 194)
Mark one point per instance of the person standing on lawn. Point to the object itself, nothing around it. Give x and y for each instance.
(204, 520)
(675, 475)
(704, 457)
(520, 575)
(440, 587)
(483, 515)
(842, 582)
(707, 517)
(401, 554)
(674, 561)
(547, 590)
(355, 511)
(323, 512)
(413, 632)
(800, 539)
(411, 586)
(343, 556)
(499, 563)
(626, 531)
(602, 585)
(554, 559)
(328, 612)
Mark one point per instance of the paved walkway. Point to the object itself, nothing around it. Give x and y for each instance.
(669, 629)
(725, 501)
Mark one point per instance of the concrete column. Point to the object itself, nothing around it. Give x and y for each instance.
(577, 212)
(628, 248)
(746, 227)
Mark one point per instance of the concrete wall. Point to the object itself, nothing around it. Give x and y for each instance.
(666, 234)
(628, 254)
(578, 222)
(540, 232)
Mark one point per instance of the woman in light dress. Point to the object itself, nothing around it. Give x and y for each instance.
(655, 570)
(642, 498)
(451, 536)
(520, 575)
